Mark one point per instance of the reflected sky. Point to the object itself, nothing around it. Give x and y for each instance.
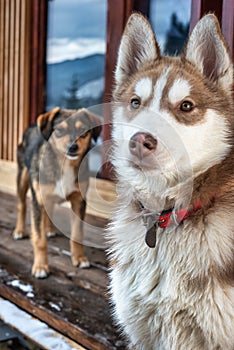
(77, 18)
(70, 21)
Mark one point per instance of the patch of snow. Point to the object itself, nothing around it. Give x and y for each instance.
(30, 295)
(27, 288)
(55, 306)
(34, 329)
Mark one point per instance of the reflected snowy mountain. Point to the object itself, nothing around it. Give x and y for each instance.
(88, 71)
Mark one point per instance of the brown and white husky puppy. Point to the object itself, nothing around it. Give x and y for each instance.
(172, 237)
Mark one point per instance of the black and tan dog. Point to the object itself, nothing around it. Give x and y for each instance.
(52, 162)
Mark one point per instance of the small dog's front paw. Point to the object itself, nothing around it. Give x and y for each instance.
(81, 262)
(40, 271)
(50, 234)
(17, 234)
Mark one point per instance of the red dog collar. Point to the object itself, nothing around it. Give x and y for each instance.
(171, 217)
(166, 219)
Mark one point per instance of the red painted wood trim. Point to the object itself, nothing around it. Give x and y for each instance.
(228, 24)
(117, 15)
(201, 7)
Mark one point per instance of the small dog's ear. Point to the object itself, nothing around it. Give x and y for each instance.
(45, 122)
(138, 46)
(208, 51)
(95, 123)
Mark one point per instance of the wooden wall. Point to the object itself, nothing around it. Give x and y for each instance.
(23, 25)
(14, 73)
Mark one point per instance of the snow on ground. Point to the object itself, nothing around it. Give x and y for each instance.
(34, 329)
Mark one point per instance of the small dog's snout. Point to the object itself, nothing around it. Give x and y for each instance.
(72, 148)
(142, 144)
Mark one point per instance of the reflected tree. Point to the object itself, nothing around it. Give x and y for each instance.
(176, 36)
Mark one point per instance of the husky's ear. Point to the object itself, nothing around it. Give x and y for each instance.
(138, 45)
(45, 122)
(207, 49)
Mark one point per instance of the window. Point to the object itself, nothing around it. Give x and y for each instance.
(76, 46)
(170, 20)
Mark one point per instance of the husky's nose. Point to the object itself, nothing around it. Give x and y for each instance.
(142, 144)
(72, 148)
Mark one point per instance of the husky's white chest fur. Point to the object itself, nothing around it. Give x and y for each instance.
(173, 134)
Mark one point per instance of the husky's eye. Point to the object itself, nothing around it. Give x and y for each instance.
(135, 103)
(186, 106)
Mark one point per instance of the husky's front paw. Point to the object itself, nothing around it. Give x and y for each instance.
(40, 271)
(81, 262)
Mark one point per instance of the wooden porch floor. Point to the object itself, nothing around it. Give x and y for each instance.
(71, 300)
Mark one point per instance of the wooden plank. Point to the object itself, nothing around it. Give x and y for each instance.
(42, 44)
(101, 195)
(61, 325)
(14, 73)
(16, 79)
(34, 58)
(6, 77)
(11, 131)
(94, 279)
(2, 11)
(201, 7)
(228, 24)
(143, 6)
(38, 54)
(77, 310)
(24, 97)
(33, 329)
(196, 10)
(117, 15)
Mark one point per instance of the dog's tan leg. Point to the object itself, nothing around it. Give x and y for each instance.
(76, 246)
(50, 228)
(22, 188)
(39, 224)
(40, 267)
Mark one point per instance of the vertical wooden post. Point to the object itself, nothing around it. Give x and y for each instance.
(228, 24)
(223, 9)
(38, 58)
(117, 16)
(201, 7)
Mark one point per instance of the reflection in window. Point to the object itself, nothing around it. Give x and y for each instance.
(170, 21)
(75, 53)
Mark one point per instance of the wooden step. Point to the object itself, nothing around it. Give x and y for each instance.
(39, 333)
(101, 194)
(72, 301)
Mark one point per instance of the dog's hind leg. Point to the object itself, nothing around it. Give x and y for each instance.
(76, 241)
(22, 188)
(39, 224)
